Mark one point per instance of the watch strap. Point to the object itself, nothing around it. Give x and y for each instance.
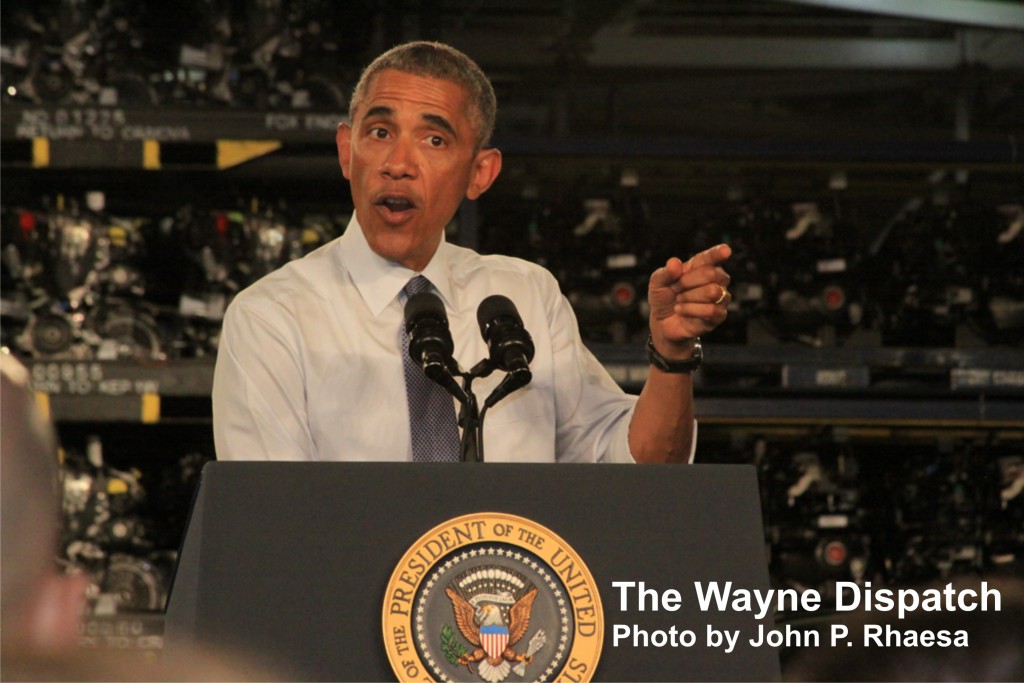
(674, 366)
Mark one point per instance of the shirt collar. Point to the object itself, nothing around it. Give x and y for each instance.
(379, 280)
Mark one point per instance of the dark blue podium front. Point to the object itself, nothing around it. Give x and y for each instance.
(292, 560)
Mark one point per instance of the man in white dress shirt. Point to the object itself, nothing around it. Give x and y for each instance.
(310, 360)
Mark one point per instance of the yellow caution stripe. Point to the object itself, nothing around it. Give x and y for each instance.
(150, 408)
(43, 403)
(151, 155)
(234, 152)
(40, 152)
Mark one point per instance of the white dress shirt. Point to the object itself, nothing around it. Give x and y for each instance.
(309, 365)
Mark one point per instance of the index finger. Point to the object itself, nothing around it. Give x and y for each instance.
(714, 256)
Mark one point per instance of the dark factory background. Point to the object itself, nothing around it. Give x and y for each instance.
(865, 167)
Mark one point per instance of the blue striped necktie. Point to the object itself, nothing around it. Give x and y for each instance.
(435, 434)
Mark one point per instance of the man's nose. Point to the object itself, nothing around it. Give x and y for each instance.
(401, 160)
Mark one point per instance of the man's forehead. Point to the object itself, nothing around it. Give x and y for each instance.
(392, 84)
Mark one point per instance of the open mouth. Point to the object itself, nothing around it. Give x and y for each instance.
(395, 205)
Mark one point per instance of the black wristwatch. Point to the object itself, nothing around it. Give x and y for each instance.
(674, 366)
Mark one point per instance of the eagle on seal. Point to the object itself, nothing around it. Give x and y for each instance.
(485, 627)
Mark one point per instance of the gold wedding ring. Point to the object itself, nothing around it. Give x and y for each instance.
(725, 293)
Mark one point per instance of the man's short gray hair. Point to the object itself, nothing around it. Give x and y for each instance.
(436, 60)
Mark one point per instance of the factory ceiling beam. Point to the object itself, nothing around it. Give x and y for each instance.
(619, 46)
(999, 14)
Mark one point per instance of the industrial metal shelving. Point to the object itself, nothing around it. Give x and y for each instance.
(744, 383)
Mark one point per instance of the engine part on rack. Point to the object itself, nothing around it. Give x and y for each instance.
(280, 56)
(82, 329)
(81, 274)
(927, 265)
(266, 240)
(87, 559)
(222, 59)
(14, 310)
(55, 330)
(200, 73)
(272, 238)
(72, 244)
(923, 557)
(16, 59)
(210, 243)
(1004, 518)
(1011, 471)
(77, 53)
(51, 334)
(125, 331)
(816, 520)
(17, 265)
(121, 582)
(102, 503)
(136, 584)
(109, 533)
(319, 228)
(999, 317)
(22, 232)
(116, 53)
(938, 514)
(283, 69)
(813, 276)
(76, 278)
(603, 265)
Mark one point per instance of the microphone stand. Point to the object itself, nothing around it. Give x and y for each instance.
(470, 418)
(472, 433)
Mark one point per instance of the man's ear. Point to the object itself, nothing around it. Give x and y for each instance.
(486, 168)
(56, 613)
(344, 140)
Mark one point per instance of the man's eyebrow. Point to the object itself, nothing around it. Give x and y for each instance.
(379, 110)
(442, 123)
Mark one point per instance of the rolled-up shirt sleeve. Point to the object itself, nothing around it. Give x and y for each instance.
(593, 413)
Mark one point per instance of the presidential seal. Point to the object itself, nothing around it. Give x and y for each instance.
(492, 597)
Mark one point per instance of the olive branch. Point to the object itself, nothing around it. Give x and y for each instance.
(451, 646)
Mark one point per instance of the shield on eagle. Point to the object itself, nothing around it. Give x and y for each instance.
(494, 639)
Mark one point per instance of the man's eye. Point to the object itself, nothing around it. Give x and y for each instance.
(436, 141)
(378, 133)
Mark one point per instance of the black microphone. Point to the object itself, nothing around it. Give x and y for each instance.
(510, 345)
(430, 341)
